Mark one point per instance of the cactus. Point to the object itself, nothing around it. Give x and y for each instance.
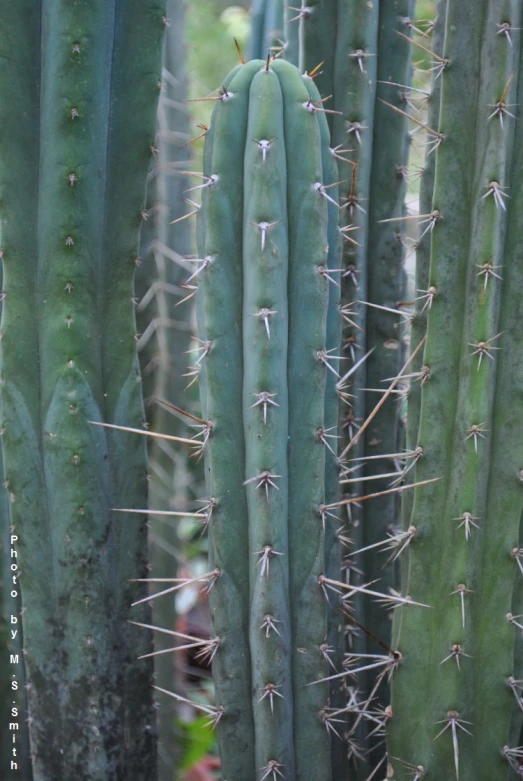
(419, 320)
(266, 27)
(165, 333)
(371, 143)
(73, 168)
(263, 360)
(291, 30)
(385, 287)
(455, 688)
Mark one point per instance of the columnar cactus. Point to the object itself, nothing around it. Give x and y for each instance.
(264, 356)
(457, 668)
(80, 85)
(267, 27)
(422, 303)
(368, 63)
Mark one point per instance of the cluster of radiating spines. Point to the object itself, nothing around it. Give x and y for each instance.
(468, 454)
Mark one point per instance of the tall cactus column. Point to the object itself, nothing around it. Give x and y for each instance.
(262, 308)
(458, 658)
(73, 166)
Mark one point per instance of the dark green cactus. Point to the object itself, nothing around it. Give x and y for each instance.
(371, 143)
(458, 669)
(73, 165)
(263, 363)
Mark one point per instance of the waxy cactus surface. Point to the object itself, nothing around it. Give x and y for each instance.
(265, 353)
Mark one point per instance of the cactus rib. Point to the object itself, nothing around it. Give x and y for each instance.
(73, 168)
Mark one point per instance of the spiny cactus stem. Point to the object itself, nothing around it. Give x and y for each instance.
(265, 272)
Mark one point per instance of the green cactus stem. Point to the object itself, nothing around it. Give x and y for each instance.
(458, 658)
(73, 168)
(264, 338)
(423, 293)
(359, 46)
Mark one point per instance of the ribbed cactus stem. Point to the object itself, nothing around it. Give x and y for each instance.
(220, 314)
(263, 317)
(317, 40)
(267, 27)
(464, 560)
(72, 175)
(385, 288)
(308, 366)
(291, 26)
(266, 413)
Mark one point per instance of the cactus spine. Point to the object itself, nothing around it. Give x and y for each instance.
(262, 319)
(458, 657)
(73, 166)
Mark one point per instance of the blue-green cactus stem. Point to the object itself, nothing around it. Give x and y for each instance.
(265, 326)
(459, 655)
(267, 27)
(73, 170)
(220, 313)
(307, 370)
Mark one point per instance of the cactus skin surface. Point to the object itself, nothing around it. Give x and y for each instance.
(73, 166)
(458, 656)
(267, 27)
(263, 310)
